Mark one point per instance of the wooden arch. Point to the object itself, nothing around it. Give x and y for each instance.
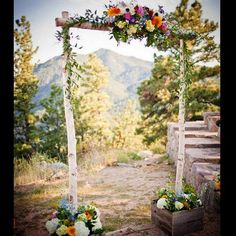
(62, 22)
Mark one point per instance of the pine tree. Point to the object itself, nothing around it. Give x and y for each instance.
(158, 97)
(91, 104)
(51, 129)
(25, 88)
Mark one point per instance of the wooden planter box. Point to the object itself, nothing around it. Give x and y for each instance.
(177, 223)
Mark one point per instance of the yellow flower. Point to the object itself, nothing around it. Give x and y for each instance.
(149, 26)
(54, 205)
(31, 119)
(164, 196)
(121, 24)
(132, 29)
(70, 231)
(62, 230)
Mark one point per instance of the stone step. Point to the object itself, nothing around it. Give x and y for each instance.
(203, 180)
(201, 143)
(200, 155)
(191, 125)
(211, 123)
(203, 172)
(208, 114)
(198, 134)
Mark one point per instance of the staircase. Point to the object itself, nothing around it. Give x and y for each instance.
(202, 155)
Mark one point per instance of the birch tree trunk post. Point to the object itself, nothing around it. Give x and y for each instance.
(181, 149)
(70, 128)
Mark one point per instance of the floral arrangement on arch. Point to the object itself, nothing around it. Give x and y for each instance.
(131, 21)
(81, 222)
(167, 199)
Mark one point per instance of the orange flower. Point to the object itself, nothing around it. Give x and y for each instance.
(217, 185)
(88, 215)
(71, 231)
(113, 11)
(157, 20)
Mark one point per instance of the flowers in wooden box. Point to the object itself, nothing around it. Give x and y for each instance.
(167, 199)
(81, 222)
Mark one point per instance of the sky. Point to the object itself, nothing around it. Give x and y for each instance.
(42, 14)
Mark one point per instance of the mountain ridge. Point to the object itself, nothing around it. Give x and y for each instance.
(126, 73)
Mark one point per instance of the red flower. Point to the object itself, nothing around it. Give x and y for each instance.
(150, 13)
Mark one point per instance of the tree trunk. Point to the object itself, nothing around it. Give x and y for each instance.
(181, 150)
(71, 140)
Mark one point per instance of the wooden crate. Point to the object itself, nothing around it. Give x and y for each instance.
(177, 223)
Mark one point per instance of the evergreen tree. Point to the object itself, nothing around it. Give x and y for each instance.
(25, 88)
(91, 104)
(51, 129)
(158, 97)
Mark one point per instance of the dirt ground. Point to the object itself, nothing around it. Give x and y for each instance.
(122, 193)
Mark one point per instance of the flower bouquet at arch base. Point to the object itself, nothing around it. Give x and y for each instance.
(66, 221)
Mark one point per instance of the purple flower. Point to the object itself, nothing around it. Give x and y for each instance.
(161, 9)
(164, 26)
(95, 213)
(127, 16)
(54, 215)
(167, 33)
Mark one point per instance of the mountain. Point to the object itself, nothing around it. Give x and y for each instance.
(126, 73)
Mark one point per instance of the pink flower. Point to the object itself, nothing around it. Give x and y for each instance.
(54, 215)
(139, 10)
(127, 16)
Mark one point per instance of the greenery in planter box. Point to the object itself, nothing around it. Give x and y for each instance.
(169, 200)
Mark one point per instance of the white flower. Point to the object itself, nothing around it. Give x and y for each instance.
(51, 225)
(98, 225)
(186, 196)
(179, 205)
(161, 203)
(62, 230)
(199, 201)
(81, 229)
